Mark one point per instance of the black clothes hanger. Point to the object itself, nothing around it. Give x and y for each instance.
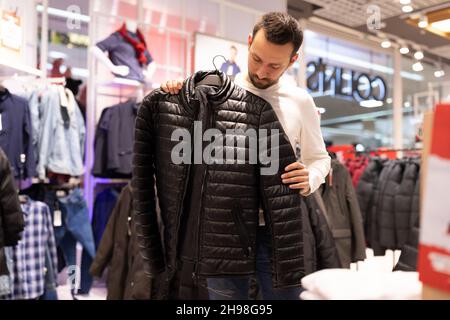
(213, 79)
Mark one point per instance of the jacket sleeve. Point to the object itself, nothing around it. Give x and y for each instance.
(30, 164)
(143, 192)
(358, 238)
(105, 249)
(51, 242)
(47, 137)
(11, 213)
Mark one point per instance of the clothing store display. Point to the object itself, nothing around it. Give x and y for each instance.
(344, 216)
(103, 207)
(227, 218)
(386, 196)
(16, 134)
(119, 252)
(29, 255)
(114, 141)
(344, 284)
(62, 135)
(128, 49)
(11, 217)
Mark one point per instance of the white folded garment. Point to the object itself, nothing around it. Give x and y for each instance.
(344, 284)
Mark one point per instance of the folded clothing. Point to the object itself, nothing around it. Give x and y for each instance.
(344, 284)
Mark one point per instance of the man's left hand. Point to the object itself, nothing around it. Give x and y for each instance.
(297, 176)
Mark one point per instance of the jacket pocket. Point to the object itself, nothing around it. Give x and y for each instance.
(242, 230)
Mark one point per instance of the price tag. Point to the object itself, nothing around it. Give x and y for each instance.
(57, 218)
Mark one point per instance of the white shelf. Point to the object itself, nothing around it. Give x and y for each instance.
(121, 82)
(11, 69)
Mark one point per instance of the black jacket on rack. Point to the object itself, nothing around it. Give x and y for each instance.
(119, 251)
(384, 208)
(404, 201)
(410, 250)
(228, 196)
(319, 246)
(114, 141)
(11, 216)
(344, 215)
(366, 197)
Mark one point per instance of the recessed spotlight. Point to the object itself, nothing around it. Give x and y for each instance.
(417, 66)
(418, 55)
(386, 44)
(407, 9)
(389, 100)
(407, 104)
(423, 22)
(439, 73)
(404, 49)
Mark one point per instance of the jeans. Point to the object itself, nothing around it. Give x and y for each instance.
(238, 288)
(76, 227)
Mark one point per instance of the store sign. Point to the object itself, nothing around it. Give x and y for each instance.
(10, 31)
(337, 81)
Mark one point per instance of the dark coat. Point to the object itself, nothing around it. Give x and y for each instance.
(230, 193)
(404, 202)
(114, 141)
(409, 254)
(384, 209)
(344, 215)
(319, 246)
(11, 216)
(119, 251)
(365, 193)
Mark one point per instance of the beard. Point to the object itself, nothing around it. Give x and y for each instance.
(261, 83)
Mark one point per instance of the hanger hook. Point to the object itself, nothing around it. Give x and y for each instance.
(214, 60)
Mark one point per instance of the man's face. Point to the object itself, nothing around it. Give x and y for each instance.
(267, 61)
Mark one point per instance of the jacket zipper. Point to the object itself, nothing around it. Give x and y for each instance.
(243, 236)
(210, 122)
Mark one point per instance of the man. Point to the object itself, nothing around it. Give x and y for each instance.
(230, 67)
(272, 49)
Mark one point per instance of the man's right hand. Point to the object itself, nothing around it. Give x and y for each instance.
(172, 86)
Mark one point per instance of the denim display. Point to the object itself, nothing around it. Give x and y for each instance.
(76, 227)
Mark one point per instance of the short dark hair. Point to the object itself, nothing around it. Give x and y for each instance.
(280, 28)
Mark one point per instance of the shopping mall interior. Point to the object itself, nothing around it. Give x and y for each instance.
(378, 72)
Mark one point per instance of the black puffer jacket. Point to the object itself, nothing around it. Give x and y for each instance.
(319, 246)
(365, 193)
(409, 255)
(344, 216)
(388, 187)
(404, 202)
(230, 194)
(11, 216)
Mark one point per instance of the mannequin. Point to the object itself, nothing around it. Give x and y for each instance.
(123, 70)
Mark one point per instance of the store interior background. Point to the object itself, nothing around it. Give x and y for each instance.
(335, 31)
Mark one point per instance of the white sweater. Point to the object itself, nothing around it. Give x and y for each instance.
(299, 118)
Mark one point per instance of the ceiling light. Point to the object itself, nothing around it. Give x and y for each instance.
(404, 49)
(418, 55)
(389, 100)
(407, 9)
(443, 25)
(386, 44)
(417, 66)
(407, 104)
(423, 22)
(439, 73)
(371, 103)
(321, 110)
(405, 1)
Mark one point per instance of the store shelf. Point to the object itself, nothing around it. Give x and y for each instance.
(8, 69)
(120, 83)
(110, 181)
